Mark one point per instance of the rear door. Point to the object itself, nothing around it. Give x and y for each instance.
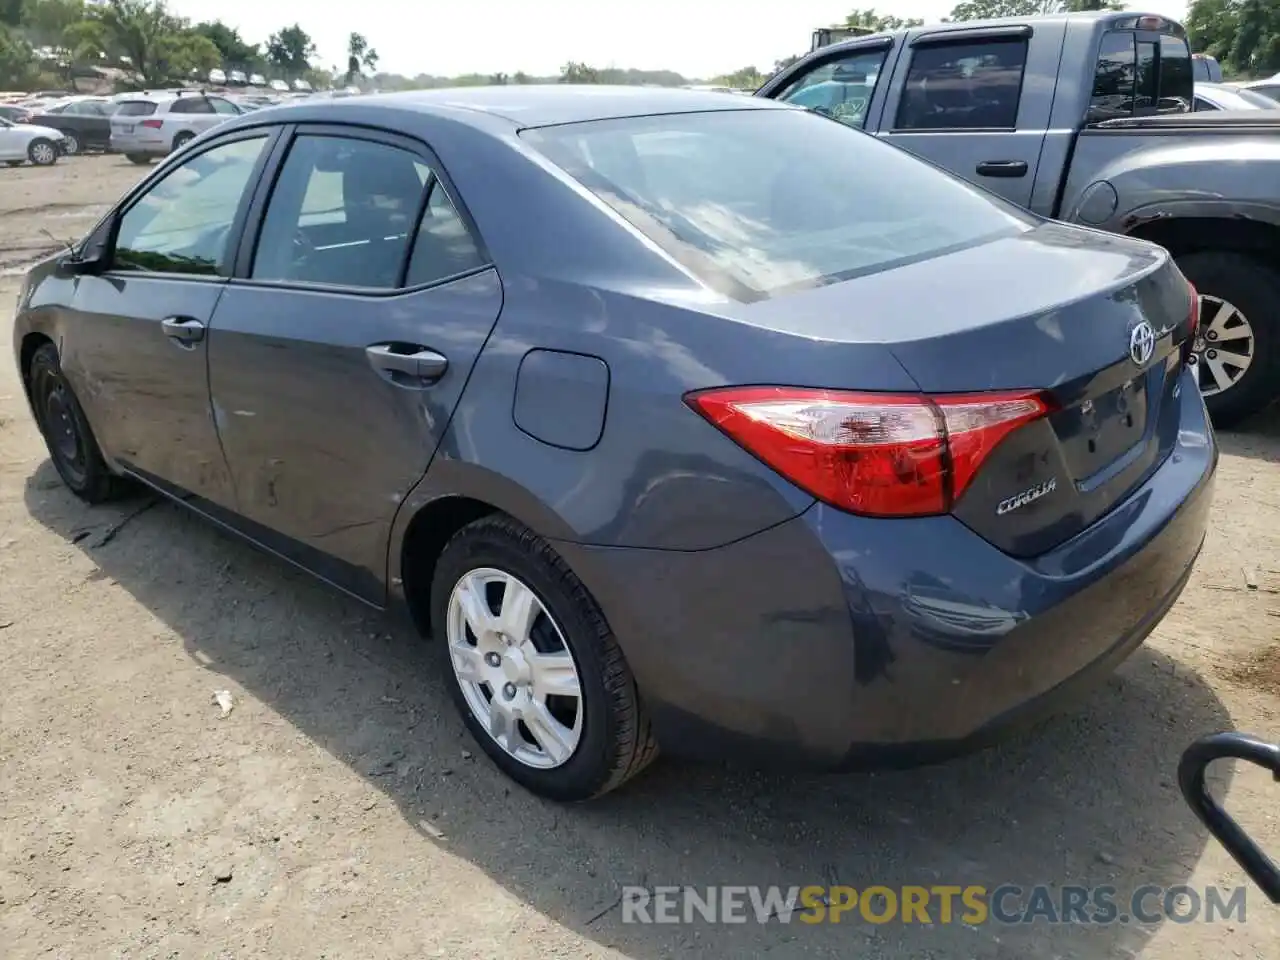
(138, 358)
(957, 100)
(342, 346)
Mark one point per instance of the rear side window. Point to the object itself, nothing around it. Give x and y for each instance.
(135, 108)
(758, 202)
(444, 245)
(191, 105)
(840, 89)
(963, 86)
(343, 212)
(1140, 76)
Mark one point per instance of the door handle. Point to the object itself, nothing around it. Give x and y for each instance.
(1002, 168)
(408, 365)
(186, 330)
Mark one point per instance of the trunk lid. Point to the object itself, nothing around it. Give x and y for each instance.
(1095, 321)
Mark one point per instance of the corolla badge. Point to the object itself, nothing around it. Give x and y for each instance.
(1142, 343)
(1020, 500)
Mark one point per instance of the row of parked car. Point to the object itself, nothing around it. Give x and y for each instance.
(142, 125)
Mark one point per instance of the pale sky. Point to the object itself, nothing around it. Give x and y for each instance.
(697, 38)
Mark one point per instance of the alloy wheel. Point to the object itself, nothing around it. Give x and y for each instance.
(43, 154)
(517, 674)
(71, 144)
(1223, 347)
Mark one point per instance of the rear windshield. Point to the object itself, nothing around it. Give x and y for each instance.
(758, 202)
(135, 108)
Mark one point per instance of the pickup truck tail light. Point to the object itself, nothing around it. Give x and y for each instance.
(879, 455)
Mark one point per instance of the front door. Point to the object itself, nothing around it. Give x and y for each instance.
(141, 361)
(336, 363)
(13, 143)
(959, 108)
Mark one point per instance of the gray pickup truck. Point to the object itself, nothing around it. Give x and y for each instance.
(1085, 117)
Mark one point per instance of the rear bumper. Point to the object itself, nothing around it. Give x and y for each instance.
(134, 144)
(838, 640)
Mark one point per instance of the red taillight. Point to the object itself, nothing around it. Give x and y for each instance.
(153, 124)
(881, 455)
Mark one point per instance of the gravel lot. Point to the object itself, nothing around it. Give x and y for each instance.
(340, 810)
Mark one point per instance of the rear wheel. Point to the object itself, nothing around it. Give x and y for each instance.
(535, 670)
(42, 152)
(181, 140)
(71, 443)
(1237, 348)
(139, 158)
(70, 144)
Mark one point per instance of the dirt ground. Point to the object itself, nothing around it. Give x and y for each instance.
(339, 809)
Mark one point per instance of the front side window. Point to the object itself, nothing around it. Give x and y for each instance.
(183, 223)
(343, 212)
(757, 202)
(1203, 105)
(964, 86)
(224, 107)
(841, 88)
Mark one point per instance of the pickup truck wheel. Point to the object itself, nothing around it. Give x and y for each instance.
(1237, 349)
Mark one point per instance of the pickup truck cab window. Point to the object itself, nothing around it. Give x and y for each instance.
(1141, 74)
(840, 88)
(964, 86)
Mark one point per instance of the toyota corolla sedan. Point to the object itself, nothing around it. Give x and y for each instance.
(674, 419)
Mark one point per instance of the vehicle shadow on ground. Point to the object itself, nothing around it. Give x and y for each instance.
(1087, 799)
(1257, 438)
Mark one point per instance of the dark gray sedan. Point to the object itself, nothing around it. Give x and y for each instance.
(672, 417)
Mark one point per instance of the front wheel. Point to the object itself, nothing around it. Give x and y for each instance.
(1237, 348)
(141, 159)
(71, 443)
(42, 152)
(534, 668)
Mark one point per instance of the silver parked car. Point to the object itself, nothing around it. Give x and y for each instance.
(150, 126)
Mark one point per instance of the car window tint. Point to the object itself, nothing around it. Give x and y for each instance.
(841, 89)
(1203, 105)
(1176, 82)
(444, 246)
(963, 86)
(182, 224)
(1113, 80)
(759, 202)
(191, 105)
(1144, 91)
(136, 108)
(342, 212)
(224, 107)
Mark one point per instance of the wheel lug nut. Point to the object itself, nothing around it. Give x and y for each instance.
(492, 659)
(509, 690)
(1212, 354)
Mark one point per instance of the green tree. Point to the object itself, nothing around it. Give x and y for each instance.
(873, 20)
(291, 50)
(229, 43)
(18, 66)
(574, 72)
(86, 40)
(12, 12)
(46, 20)
(1243, 34)
(183, 53)
(360, 56)
(142, 31)
(521, 77)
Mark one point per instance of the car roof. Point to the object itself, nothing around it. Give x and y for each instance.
(537, 105)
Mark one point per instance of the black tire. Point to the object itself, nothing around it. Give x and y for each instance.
(71, 145)
(42, 152)
(181, 140)
(1254, 288)
(67, 435)
(140, 159)
(616, 741)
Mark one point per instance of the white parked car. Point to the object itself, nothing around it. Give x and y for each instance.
(26, 143)
(147, 127)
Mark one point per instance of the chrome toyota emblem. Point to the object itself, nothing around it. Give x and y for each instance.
(1142, 343)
